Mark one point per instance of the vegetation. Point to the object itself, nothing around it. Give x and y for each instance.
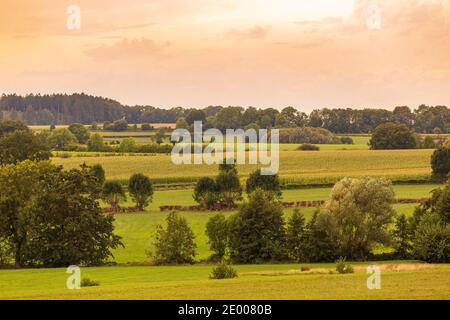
(343, 267)
(223, 271)
(141, 190)
(308, 147)
(217, 231)
(22, 145)
(175, 244)
(270, 183)
(257, 231)
(113, 193)
(51, 218)
(393, 136)
(85, 109)
(297, 237)
(440, 163)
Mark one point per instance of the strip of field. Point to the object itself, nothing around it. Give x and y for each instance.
(399, 280)
(295, 166)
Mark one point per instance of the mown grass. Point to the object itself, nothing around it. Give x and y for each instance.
(295, 166)
(254, 282)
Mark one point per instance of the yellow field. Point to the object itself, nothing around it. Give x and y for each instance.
(300, 167)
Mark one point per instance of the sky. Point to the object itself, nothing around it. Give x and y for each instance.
(263, 53)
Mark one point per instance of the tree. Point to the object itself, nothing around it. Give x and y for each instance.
(66, 225)
(80, 132)
(175, 244)
(195, 115)
(359, 213)
(141, 190)
(98, 172)
(205, 192)
(112, 194)
(159, 136)
(402, 238)
(228, 118)
(297, 237)
(440, 163)
(127, 145)
(393, 136)
(96, 143)
(18, 184)
(22, 145)
(119, 125)
(265, 182)
(257, 231)
(432, 240)
(229, 188)
(218, 234)
(9, 126)
(50, 217)
(322, 242)
(182, 124)
(61, 139)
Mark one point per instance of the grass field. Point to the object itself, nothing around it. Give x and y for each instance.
(295, 166)
(399, 280)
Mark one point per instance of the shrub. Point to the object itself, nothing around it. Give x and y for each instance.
(308, 147)
(218, 234)
(347, 140)
(96, 143)
(392, 136)
(270, 183)
(175, 244)
(223, 271)
(86, 282)
(343, 267)
(127, 145)
(228, 187)
(141, 190)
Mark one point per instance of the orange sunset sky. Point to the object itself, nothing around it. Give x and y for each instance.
(264, 53)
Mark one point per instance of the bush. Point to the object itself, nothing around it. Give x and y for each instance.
(343, 267)
(175, 244)
(218, 234)
(146, 127)
(389, 136)
(80, 132)
(97, 171)
(86, 282)
(223, 271)
(346, 140)
(308, 147)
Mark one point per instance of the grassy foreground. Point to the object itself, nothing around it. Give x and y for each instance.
(285, 281)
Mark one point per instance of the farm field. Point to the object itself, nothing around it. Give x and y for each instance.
(295, 166)
(399, 280)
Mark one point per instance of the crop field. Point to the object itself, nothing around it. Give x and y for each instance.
(307, 167)
(399, 280)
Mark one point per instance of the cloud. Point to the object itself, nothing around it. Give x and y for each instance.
(256, 32)
(128, 49)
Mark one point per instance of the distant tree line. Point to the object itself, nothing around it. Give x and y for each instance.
(86, 109)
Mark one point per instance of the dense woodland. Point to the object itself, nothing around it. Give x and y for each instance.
(86, 109)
